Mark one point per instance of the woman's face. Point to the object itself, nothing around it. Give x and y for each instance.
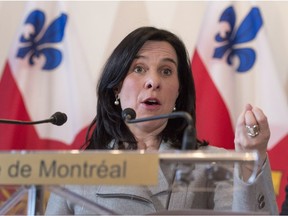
(151, 86)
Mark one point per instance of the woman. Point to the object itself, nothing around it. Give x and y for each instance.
(149, 71)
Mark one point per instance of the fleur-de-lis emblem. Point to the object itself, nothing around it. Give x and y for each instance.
(246, 32)
(36, 44)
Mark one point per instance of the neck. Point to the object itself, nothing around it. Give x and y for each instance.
(149, 143)
(148, 138)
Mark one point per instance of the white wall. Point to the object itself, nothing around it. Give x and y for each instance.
(102, 24)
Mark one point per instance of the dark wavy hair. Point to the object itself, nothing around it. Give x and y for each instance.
(108, 124)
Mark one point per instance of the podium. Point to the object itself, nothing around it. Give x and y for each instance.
(36, 171)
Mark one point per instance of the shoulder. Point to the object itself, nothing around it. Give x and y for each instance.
(166, 146)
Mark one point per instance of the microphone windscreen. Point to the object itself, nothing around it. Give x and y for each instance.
(128, 114)
(58, 118)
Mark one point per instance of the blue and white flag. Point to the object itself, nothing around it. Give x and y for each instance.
(46, 72)
(232, 66)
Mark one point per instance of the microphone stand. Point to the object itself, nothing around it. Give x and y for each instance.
(57, 118)
(189, 141)
(189, 137)
(35, 193)
(8, 121)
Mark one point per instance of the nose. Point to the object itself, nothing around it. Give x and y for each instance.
(153, 81)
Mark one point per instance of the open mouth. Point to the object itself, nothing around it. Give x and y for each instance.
(152, 102)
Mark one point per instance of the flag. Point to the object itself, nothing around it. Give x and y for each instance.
(46, 72)
(232, 66)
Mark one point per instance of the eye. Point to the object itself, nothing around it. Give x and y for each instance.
(139, 69)
(166, 72)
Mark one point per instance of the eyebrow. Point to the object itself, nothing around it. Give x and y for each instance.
(162, 60)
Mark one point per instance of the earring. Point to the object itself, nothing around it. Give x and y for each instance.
(174, 109)
(117, 102)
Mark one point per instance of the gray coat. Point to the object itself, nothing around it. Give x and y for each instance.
(200, 194)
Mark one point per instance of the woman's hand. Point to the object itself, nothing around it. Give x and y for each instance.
(259, 134)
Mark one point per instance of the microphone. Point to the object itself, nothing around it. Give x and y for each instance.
(189, 138)
(128, 115)
(57, 118)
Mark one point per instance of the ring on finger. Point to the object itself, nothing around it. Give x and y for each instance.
(253, 130)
